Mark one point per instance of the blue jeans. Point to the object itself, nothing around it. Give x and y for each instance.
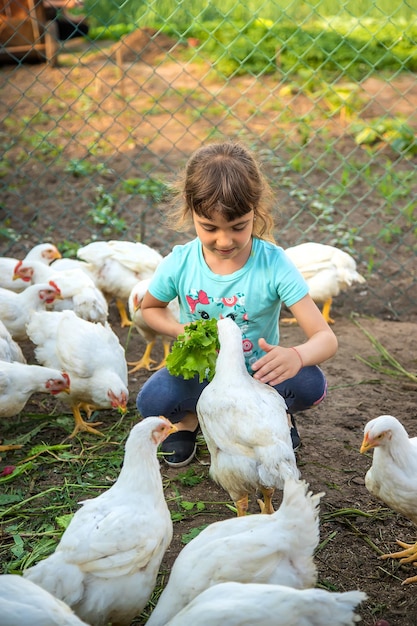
(173, 397)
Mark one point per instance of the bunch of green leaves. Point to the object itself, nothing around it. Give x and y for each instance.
(195, 351)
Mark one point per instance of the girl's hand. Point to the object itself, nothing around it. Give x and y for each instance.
(277, 365)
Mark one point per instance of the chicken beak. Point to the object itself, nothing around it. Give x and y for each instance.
(366, 445)
(173, 429)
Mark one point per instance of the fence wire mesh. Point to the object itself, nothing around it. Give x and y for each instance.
(102, 105)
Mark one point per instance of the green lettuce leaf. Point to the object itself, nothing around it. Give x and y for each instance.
(195, 351)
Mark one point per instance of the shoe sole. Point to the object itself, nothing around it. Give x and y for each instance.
(181, 463)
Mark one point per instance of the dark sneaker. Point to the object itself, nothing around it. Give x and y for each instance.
(179, 448)
(295, 437)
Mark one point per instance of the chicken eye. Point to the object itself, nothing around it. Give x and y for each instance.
(232, 316)
(204, 315)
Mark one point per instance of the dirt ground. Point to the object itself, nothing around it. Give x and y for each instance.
(329, 458)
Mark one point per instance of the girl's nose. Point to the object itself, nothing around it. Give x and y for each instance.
(223, 239)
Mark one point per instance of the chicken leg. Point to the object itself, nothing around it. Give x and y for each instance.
(408, 555)
(266, 504)
(81, 425)
(124, 319)
(145, 361)
(242, 505)
(325, 313)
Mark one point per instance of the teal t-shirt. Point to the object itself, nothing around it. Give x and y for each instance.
(252, 295)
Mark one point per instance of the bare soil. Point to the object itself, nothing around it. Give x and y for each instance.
(352, 521)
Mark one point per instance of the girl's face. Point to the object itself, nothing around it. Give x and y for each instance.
(222, 240)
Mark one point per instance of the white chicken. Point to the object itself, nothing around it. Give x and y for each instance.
(22, 602)
(19, 381)
(16, 309)
(269, 549)
(327, 270)
(43, 253)
(118, 266)
(392, 475)
(9, 349)
(107, 561)
(149, 335)
(245, 425)
(78, 290)
(92, 356)
(253, 604)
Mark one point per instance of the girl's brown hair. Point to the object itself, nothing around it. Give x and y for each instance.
(224, 178)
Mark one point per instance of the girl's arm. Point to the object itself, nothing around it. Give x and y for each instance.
(159, 317)
(280, 363)
(321, 341)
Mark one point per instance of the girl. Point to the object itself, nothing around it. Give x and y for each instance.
(233, 267)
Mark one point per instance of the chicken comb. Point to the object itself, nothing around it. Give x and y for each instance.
(55, 286)
(28, 272)
(67, 378)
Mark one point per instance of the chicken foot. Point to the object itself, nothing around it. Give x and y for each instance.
(266, 504)
(408, 555)
(145, 361)
(81, 425)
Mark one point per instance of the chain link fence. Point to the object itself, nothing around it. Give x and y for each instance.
(102, 105)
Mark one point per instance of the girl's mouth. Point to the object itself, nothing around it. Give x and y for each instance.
(225, 252)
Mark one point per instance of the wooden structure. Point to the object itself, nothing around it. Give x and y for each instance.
(25, 32)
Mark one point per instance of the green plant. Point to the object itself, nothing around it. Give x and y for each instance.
(82, 167)
(393, 131)
(104, 214)
(385, 362)
(151, 189)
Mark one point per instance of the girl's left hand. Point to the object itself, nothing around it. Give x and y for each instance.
(277, 365)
